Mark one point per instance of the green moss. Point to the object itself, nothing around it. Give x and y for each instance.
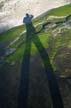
(61, 11)
(47, 40)
(11, 34)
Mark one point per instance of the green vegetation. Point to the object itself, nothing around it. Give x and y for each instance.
(61, 11)
(56, 41)
(51, 42)
(11, 34)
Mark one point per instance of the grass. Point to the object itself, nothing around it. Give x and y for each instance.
(17, 56)
(61, 11)
(11, 34)
(52, 44)
(55, 20)
(45, 38)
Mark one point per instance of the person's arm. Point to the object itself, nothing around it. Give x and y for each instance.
(31, 16)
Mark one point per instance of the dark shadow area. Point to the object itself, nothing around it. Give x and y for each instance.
(24, 83)
(3, 81)
(3, 91)
(4, 87)
(25, 70)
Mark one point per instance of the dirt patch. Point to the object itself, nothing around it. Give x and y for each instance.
(62, 61)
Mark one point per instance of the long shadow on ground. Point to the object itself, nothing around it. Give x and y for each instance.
(4, 87)
(24, 82)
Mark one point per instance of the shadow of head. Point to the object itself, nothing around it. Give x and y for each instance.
(28, 18)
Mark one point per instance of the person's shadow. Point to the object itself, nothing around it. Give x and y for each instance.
(24, 80)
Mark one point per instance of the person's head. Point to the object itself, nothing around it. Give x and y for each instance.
(27, 15)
